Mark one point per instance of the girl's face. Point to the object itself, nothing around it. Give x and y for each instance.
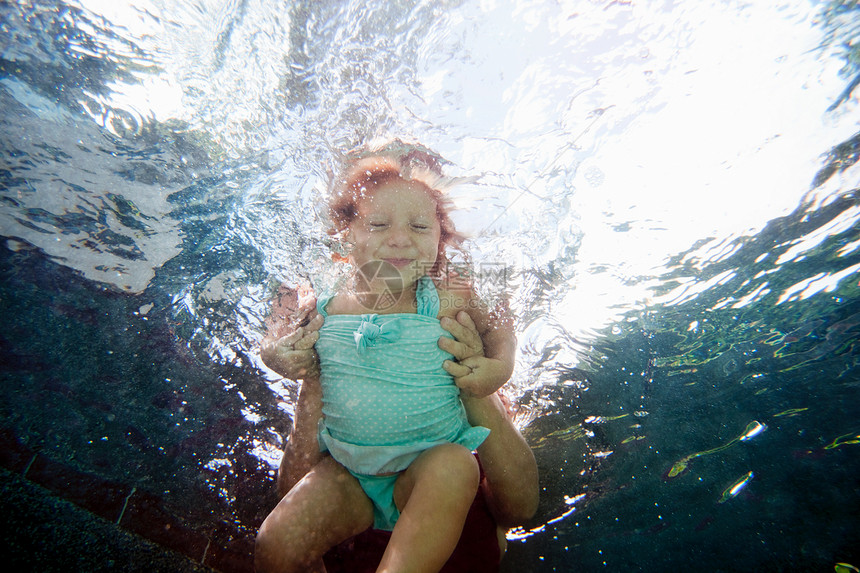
(395, 235)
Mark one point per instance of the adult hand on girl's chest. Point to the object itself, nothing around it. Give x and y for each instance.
(476, 375)
(293, 356)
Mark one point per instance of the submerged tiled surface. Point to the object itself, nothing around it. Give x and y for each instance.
(218, 546)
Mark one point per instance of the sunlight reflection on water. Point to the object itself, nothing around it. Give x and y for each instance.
(608, 138)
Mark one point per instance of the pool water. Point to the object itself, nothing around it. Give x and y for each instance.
(667, 192)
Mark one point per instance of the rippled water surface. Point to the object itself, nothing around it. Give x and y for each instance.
(667, 191)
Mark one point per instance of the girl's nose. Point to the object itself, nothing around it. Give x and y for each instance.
(398, 237)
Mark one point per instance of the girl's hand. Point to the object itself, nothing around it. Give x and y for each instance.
(293, 356)
(475, 374)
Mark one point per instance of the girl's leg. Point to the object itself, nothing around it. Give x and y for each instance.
(324, 508)
(512, 477)
(434, 495)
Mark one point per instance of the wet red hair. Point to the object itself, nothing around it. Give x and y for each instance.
(366, 171)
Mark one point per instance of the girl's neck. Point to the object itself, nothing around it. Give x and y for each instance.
(385, 301)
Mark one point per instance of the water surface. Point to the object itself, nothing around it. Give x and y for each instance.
(667, 191)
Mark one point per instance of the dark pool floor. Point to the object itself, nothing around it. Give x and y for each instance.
(42, 532)
(59, 519)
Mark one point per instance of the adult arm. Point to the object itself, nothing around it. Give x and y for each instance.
(512, 486)
(291, 354)
(302, 451)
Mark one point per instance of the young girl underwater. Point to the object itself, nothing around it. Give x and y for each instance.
(399, 369)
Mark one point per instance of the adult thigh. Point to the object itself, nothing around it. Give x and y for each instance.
(324, 508)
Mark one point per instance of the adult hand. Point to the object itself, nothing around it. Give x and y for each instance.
(293, 356)
(475, 374)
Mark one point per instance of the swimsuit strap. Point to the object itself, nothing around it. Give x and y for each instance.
(426, 299)
(321, 304)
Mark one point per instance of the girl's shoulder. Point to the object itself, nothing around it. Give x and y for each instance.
(455, 294)
(337, 303)
(459, 294)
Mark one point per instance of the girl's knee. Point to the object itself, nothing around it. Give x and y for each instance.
(453, 464)
(447, 474)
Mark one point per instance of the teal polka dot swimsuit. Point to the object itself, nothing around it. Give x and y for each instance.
(386, 397)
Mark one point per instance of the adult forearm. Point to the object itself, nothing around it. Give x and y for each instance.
(501, 345)
(301, 451)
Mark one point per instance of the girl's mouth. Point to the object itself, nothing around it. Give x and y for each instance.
(399, 263)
